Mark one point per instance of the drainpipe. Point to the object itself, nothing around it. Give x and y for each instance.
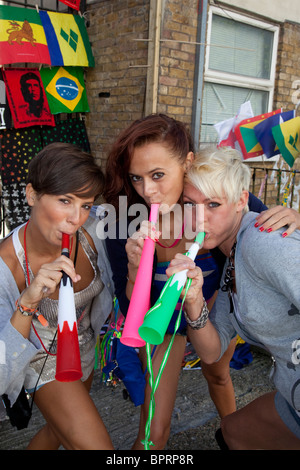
(199, 71)
(155, 13)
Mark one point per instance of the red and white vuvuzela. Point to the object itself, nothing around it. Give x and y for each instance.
(68, 363)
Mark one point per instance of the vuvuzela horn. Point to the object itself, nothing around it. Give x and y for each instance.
(68, 363)
(140, 297)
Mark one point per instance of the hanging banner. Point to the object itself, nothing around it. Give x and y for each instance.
(65, 89)
(5, 114)
(67, 39)
(263, 132)
(246, 137)
(287, 137)
(225, 129)
(72, 3)
(18, 147)
(26, 97)
(22, 37)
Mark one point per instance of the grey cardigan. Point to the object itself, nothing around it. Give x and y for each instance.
(16, 352)
(267, 303)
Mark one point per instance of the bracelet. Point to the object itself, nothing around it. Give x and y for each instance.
(200, 322)
(131, 282)
(26, 311)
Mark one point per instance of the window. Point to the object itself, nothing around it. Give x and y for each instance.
(54, 5)
(240, 66)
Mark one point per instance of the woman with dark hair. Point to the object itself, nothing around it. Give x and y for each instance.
(63, 183)
(146, 165)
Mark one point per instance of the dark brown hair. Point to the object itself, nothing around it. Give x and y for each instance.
(153, 128)
(62, 168)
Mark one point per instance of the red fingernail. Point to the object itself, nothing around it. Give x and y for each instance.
(261, 229)
(256, 225)
(269, 230)
(284, 234)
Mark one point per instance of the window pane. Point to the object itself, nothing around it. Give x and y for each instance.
(222, 102)
(253, 61)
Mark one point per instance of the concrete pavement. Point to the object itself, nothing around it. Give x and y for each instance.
(194, 419)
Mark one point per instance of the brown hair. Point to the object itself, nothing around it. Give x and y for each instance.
(62, 168)
(153, 128)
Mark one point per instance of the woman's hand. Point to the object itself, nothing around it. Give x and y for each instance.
(135, 244)
(278, 217)
(194, 296)
(46, 281)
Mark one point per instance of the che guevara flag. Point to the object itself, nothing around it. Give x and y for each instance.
(263, 132)
(287, 137)
(67, 39)
(246, 137)
(22, 37)
(65, 89)
(26, 97)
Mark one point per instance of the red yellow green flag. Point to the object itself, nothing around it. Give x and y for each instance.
(22, 37)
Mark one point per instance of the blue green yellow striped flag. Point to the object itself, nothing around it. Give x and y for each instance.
(287, 138)
(67, 39)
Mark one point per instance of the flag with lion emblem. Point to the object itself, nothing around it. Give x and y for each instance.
(22, 37)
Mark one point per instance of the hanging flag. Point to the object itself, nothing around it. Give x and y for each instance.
(225, 129)
(287, 137)
(72, 3)
(287, 190)
(22, 37)
(26, 97)
(246, 137)
(5, 114)
(263, 132)
(65, 89)
(67, 39)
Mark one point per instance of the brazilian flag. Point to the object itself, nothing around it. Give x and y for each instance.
(65, 89)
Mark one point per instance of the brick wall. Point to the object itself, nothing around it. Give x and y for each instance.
(120, 65)
(177, 59)
(113, 26)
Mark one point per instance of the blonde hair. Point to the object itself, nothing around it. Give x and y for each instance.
(219, 172)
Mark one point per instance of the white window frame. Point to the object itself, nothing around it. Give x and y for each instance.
(214, 76)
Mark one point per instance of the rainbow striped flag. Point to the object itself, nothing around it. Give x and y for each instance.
(67, 39)
(22, 37)
(287, 137)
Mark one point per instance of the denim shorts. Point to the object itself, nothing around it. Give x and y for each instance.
(288, 415)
